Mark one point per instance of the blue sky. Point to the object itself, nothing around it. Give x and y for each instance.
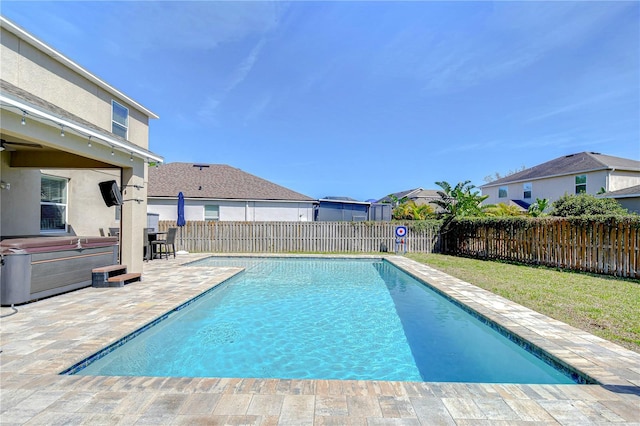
(363, 99)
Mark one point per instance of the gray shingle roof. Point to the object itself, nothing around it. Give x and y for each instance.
(215, 181)
(632, 191)
(415, 193)
(569, 164)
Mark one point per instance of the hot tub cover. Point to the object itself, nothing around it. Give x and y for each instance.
(45, 244)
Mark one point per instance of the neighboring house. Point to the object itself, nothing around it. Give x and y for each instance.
(629, 198)
(331, 209)
(63, 131)
(584, 172)
(221, 192)
(418, 195)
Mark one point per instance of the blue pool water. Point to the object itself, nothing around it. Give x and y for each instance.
(324, 319)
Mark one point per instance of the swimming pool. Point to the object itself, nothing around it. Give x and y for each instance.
(323, 319)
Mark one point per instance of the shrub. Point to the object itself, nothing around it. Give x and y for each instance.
(409, 210)
(586, 205)
(502, 210)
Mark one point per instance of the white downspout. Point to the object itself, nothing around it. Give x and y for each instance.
(607, 180)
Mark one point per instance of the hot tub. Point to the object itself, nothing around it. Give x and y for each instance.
(33, 268)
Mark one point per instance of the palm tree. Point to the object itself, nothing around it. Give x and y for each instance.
(402, 211)
(539, 207)
(409, 210)
(460, 200)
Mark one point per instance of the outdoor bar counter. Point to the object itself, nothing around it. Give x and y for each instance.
(37, 267)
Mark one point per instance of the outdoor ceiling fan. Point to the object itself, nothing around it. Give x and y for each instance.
(4, 144)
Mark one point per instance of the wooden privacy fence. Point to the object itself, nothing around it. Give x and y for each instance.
(287, 237)
(607, 247)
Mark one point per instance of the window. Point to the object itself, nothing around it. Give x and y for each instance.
(581, 184)
(526, 189)
(119, 119)
(211, 212)
(502, 192)
(53, 204)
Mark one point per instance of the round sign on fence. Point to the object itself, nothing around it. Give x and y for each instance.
(401, 231)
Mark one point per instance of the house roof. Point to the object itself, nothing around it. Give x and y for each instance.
(581, 162)
(631, 191)
(411, 194)
(522, 204)
(215, 181)
(338, 198)
(343, 200)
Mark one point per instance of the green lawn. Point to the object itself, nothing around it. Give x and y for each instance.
(608, 307)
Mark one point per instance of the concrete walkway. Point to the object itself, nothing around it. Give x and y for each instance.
(47, 336)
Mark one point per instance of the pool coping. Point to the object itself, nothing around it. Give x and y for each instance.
(49, 335)
(582, 351)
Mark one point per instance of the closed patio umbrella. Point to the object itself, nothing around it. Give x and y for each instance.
(180, 222)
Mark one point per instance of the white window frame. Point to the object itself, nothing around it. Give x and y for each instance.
(527, 188)
(64, 204)
(215, 217)
(581, 184)
(505, 190)
(116, 124)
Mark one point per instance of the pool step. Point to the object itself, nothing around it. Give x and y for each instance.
(113, 276)
(122, 279)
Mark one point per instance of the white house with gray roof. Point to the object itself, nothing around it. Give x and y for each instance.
(584, 172)
(225, 193)
(417, 195)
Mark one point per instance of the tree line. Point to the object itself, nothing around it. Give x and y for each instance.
(464, 200)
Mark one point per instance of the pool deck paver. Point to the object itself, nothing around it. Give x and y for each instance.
(49, 335)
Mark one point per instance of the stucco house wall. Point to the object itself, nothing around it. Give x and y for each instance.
(26, 66)
(631, 204)
(20, 200)
(254, 211)
(622, 179)
(83, 197)
(42, 93)
(550, 188)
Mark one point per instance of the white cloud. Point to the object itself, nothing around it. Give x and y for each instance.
(257, 108)
(189, 25)
(244, 68)
(568, 138)
(208, 111)
(569, 105)
(514, 36)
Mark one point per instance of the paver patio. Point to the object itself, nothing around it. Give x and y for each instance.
(49, 335)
